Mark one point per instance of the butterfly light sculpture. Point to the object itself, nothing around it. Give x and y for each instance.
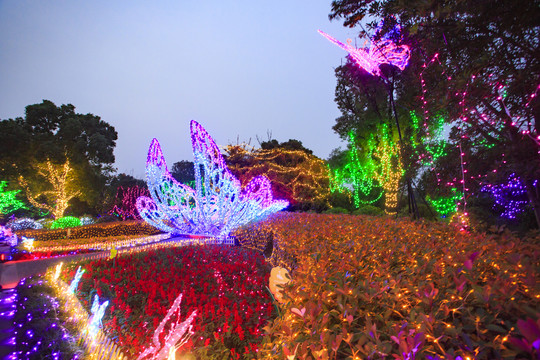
(217, 205)
(383, 51)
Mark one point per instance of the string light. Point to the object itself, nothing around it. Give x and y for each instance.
(512, 196)
(302, 177)
(216, 206)
(66, 222)
(178, 334)
(125, 202)
(97, 310)
(8, 200)
(62, 181)
(75, 282)
(383, 51)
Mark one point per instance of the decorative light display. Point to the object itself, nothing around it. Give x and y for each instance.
(125, 202)
(56, 274)
(86, 220)
(7, 235)
(97, 310)
(512, 196)
(23, 223)
(27, 243)
(177, 336)
(383, 51)
(75, 282)
(8, 200)
(390, 169)
(216, 206)
(380, 167)
(358, 172)
(446, 206)
(66, 222)
(300, 177)
(62, 181)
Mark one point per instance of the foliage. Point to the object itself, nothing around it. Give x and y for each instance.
(8, 200)
(376, 287)
(183, 171)
(336, 210)
(226, 285)
(58, 134)
(42, 327)
(66, 222)
(296, 175)
(477, 64)
(369, 210)
(122, 228)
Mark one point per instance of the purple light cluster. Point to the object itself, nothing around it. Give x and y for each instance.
(512, 196)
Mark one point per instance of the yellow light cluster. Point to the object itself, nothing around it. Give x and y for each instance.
(306, 177)
(107, 245)
(63, 188)
(119, 228)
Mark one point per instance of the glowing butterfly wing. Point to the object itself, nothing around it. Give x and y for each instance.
(384, 51)
(171, 201)
(362, 58)
(217, 190)
(387, 52)
(259, 192)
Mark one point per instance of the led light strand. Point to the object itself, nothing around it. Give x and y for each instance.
(75, 282)
(177, 336)
(383, 51)
(216, 206)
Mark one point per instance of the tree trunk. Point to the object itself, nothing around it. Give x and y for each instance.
(534, 199)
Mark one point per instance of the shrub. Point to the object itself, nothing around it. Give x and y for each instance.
(369, 210)
(117, 228)
(336, 210)
(66, 222)
(384, 287)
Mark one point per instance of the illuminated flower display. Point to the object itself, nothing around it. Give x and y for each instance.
(216, 206)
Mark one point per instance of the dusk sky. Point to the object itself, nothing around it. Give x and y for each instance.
(240, 68)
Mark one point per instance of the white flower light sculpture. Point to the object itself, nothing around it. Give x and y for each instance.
(177, 336)
(216, 206)
(98, 310)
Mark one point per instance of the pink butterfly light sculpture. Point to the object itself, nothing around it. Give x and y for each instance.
(383, 51)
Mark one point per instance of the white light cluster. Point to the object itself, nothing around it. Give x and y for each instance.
(178, 334)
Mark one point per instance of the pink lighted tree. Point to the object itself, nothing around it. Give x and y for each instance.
(125, 202)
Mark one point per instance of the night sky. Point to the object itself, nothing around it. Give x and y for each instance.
(243, 69)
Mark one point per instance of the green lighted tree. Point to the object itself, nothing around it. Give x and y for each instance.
(8, 200)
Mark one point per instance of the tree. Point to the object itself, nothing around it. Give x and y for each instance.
(8, 200)
(57, 188)
(59, 135)
(478, 64)
(125, 202)
(296, 175)
(183, 172)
